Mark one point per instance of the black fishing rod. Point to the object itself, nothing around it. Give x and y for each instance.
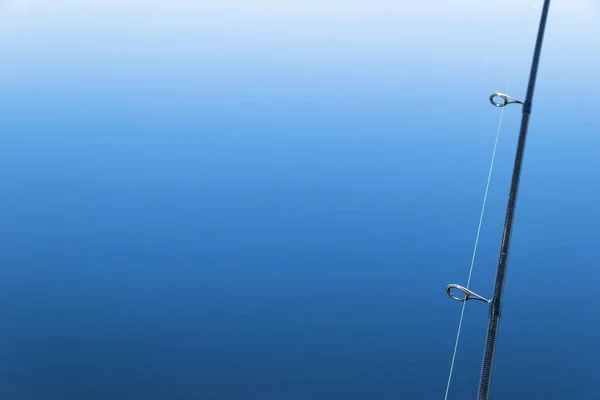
(496, 301)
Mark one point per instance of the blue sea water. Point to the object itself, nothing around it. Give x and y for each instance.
(234, 218)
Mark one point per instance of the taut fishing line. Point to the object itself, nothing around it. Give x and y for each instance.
(469, 294)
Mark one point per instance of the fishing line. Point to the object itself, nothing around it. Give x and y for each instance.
(485, 196)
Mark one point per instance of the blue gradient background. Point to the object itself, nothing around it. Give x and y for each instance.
(265, 200)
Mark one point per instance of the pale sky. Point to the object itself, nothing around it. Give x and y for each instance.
(455, 36)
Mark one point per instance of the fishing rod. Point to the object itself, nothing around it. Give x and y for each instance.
(495, 303)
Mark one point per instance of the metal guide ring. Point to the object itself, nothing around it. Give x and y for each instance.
(506, 100)
(469, 295)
